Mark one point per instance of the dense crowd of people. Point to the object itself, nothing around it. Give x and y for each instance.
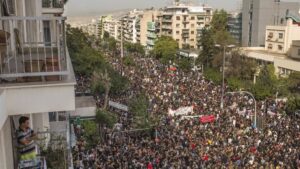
(230, 141)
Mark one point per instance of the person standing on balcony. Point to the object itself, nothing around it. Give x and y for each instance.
(25, 136)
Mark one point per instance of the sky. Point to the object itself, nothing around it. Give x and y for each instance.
(98, 7)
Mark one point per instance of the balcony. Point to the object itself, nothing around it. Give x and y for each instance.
(150, 42)
(151, 35)
(35, 64)
(53, 6)
(32, 49)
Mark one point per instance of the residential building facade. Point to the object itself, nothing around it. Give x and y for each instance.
(282, 48)
(257, 14)
(279, 38)
(184, 23)
(36, 75)
(128, 26)
(142, 25)
(235, 26)
(111, 26)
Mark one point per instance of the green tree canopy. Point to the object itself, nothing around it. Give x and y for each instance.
(266, 85)
(165, 49)
(139, 107)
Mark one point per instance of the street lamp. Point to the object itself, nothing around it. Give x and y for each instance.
(223, 70)
(246, 92)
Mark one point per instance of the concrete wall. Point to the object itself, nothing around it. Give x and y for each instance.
(3, 114)
(6, 150)
(32, 99)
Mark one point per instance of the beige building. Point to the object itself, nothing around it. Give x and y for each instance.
(279, 38)
(36, 74)
(184, 23)
(282, 48)
(142, 25)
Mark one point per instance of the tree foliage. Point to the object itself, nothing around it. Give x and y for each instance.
(84, 58)
(139, 107)
(266, 85)
(293, 104)
(208, 47)
(104, 117)
(165, 49)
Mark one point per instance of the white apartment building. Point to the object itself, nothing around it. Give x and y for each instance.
(282, 48)
(279, 38)
(36, 75)
(128, 24)
(184, 23)
(111, 26)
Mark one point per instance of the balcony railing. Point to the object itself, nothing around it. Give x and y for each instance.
(32, 48)
(52, 3)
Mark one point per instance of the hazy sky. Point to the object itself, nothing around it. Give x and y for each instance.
(96, 7)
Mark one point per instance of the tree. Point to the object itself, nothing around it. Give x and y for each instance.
(165, 49)
(102, 78)
(185, 64)
(104, 117)
(266, 85)
(294, 82)
(139, 107)
(213, 75)
(84, 58)
(208, 47)
(90, 132)
(293, 104)
(134, 48)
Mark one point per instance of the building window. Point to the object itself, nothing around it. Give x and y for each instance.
(177, 40)
(192, 47)
(192, 32)
(192, 18)
(192, 25)
(298, 52)
(192, 40)
(177, 25)
(52, 116)
(177, 32)
(280, 47)
(178, 18)
(270, 35)
(270, 46)
(280, 35)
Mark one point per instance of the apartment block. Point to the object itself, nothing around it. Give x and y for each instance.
(36, 75)
(235, 26)
(184, 23)
(279, 38)
(111, 26)
(128, 24)
(257, 14)
(142, 26)
(282, 47)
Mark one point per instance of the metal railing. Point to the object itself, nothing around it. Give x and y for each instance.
(32, 47)
(52, 3)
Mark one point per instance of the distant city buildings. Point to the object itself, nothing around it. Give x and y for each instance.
(257, 14)
(282, 47)
(184, 23)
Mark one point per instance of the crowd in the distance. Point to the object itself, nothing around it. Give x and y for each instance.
(231, 141)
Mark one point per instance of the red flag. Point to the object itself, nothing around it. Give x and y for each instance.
(207, 119)
(205, 158)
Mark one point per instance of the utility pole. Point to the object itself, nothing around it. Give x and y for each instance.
(122, 50)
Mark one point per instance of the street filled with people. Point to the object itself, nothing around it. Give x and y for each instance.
(194, 131)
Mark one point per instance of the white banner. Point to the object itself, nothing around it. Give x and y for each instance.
(181, 111)
(118, 105)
